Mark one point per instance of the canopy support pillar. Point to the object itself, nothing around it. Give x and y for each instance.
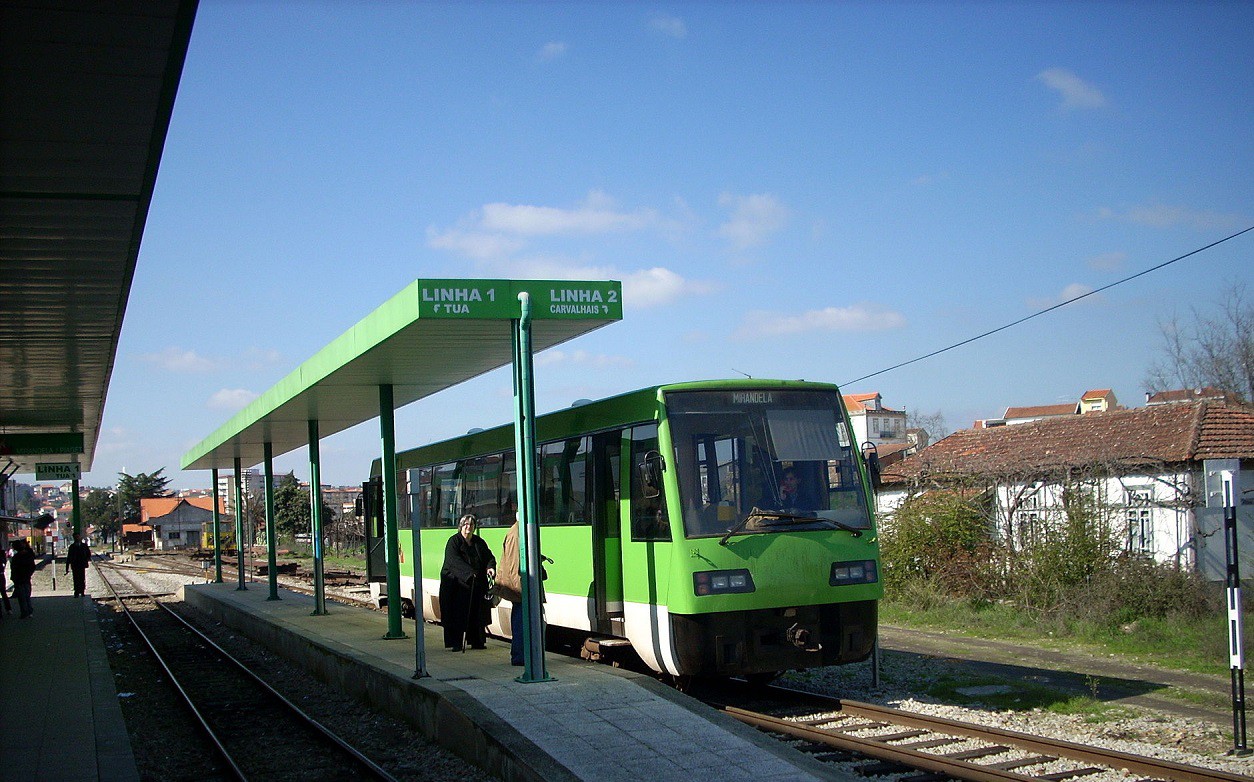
(217, 536)
(272, 562)
(391, 537)
(315, 518)
(239, 523)
(528, 522)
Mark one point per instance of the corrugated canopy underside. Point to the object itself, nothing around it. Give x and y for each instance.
(88, 89)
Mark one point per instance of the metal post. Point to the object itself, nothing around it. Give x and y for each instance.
(529, 540)
(1236, 652)
(272, 561)
(391, 537)
(420, 635)
(239, 524)
(217, 537)
(315, 519)
(76, 511)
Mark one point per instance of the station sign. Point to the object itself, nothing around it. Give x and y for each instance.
(498, 299)
(52, 471)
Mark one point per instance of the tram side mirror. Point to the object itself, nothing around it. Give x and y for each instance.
(359, 507)
(872, 458)
(650, 471)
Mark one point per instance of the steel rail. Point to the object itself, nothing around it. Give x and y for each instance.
(955, 769)
(879, 748)
(213, 736)
(226, 656)
(1164, 769)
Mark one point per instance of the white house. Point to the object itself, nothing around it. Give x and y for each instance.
(1143, 467)
(874, 423)
(176, 521)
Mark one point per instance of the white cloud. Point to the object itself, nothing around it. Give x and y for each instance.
(1072, 291)
(858, 317)
(754, 218)
(231, 399)
(1075, 92)
(657, 286)
(671, 26)
(1164, 216)
(498, 230)
(1108, 262)
(262, 358)
(473, 244)
(596, 215)
(551, 51)
(583, 359)
(176, 359)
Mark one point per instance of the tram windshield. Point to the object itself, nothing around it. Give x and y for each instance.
(764, 461)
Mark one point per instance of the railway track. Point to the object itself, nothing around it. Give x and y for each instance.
(335, 586)
(896, 742)
(256, 732)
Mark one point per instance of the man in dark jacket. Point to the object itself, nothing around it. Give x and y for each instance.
(77, 559)
(21, 569)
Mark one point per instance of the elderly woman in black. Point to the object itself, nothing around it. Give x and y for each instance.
(468, 564)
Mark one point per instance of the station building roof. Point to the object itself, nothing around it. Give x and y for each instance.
(88, 92)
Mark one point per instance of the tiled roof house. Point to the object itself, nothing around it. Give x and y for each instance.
(1145, 463)
(176, 521)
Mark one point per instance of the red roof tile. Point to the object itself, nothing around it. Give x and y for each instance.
(1040, 410)
(155, 507)
(1170, 434)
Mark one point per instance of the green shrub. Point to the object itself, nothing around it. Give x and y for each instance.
(940, 538)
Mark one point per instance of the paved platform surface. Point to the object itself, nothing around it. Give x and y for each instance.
(590, 723)
(59, 713)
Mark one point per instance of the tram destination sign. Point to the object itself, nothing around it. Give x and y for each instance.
(498, 299)
(26, 444)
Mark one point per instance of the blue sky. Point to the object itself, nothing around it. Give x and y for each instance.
(792, 190)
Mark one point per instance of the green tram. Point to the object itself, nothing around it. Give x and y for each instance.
(722, 528)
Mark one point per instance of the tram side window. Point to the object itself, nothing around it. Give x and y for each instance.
(421, 495)
(446, 502)
(408, 506)
(649, 518)
(485, 488)
(564, 478)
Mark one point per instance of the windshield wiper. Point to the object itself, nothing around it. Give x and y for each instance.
(795, 518)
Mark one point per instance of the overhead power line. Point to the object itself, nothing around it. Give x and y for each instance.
(1047, 309)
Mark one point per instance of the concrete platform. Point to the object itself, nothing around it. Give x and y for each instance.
(591, 723)
(59, 712)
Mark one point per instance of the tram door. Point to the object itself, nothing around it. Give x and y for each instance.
(372, 518)
(607, 573)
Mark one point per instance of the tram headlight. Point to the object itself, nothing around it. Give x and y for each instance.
(721, 582)
(845, 573)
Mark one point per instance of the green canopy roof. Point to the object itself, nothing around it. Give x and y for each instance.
(432, 335)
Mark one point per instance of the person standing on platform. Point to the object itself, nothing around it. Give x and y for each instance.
(77, 558)
(468, 564)
(23, 568)
(509, 587)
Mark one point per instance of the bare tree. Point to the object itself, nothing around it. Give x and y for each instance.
(932, 423)
(1215, 349)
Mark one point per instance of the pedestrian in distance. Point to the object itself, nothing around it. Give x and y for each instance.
(7, 607)
(23, 569)
(468, 565)
(77, 558)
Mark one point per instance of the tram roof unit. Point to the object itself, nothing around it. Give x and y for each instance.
(432, 335)
(88, 91)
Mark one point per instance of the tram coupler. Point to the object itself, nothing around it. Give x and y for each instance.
(801, 638)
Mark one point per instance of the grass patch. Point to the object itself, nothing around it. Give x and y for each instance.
(1179, 643)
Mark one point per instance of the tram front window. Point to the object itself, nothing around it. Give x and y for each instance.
(785, 454)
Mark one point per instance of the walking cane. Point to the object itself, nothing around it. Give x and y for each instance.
(470, 610)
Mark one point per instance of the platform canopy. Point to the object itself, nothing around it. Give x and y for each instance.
(432, 335)
(88, 90)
